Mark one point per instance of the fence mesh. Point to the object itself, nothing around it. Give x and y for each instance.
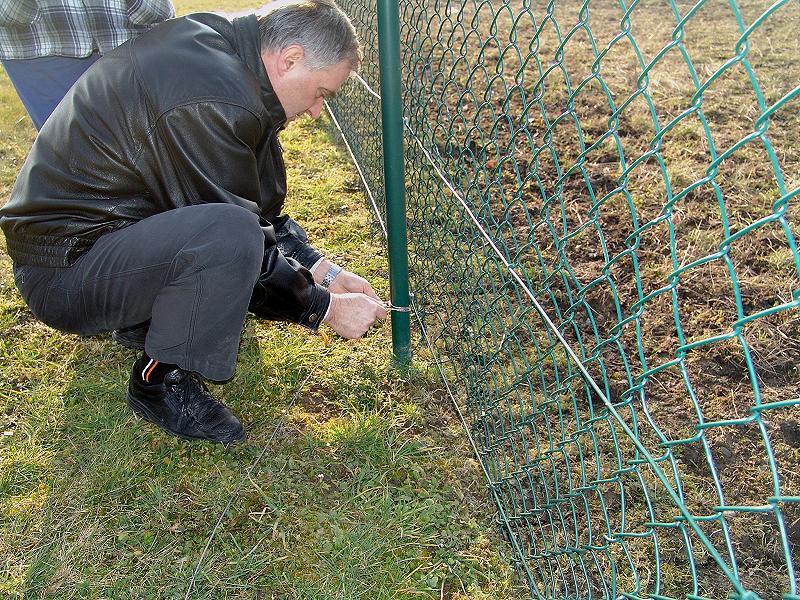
(603, 213)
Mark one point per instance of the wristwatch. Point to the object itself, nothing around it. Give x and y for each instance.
(330, 276)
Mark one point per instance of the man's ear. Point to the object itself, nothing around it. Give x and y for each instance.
(290, 57)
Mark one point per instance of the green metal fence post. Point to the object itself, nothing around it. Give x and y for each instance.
(394, 174)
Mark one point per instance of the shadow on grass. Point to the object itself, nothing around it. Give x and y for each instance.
(346, 503)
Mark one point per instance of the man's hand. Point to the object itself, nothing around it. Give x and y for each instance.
(351, 314)
(345, 282)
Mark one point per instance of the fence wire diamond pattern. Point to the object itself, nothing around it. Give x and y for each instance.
(603, 214)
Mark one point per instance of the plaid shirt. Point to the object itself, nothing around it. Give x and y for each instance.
(74, 28)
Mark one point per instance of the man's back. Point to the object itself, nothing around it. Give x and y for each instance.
(147, 129)
(46, 45)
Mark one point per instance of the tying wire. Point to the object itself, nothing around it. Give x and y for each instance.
(402, 309)
(358, 167)
(281, 423)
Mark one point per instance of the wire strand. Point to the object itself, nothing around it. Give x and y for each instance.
(648, 458)
(358, 168)
(281, 423)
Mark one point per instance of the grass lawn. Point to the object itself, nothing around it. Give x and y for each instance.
(367, 489)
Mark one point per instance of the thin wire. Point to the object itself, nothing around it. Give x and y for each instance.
(358, 167)
(486, 236)
(513, 272)
(366, 85)
(280, 424)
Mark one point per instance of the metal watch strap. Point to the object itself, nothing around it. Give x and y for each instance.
(330, 275)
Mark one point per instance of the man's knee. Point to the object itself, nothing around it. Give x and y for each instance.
(235, 236)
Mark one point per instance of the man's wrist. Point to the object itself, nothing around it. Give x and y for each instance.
(320, 269)
(317, 265)
(329, 310)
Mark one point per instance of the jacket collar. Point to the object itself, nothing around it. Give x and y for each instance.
(248, 47)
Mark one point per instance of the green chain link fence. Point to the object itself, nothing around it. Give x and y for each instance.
(602, 222)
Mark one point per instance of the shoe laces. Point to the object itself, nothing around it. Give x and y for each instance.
(197, 401)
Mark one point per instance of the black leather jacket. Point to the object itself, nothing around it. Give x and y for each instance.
(184, 114)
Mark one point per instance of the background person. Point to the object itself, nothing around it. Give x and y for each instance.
(45, 45)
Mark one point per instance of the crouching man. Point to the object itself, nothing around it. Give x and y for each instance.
(150, 204)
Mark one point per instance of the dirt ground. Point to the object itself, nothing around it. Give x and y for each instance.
(638, 168)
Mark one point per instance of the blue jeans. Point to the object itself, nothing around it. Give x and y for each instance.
(41, 83)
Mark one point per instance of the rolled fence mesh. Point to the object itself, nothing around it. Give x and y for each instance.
(602, 220)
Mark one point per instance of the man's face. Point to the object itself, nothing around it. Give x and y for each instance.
(301, 90)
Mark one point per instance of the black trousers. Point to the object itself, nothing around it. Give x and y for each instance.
(190, 271)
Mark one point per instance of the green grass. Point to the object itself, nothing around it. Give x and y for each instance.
(367, 491)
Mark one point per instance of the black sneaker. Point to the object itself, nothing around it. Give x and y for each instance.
(183, 407)
(131, 337)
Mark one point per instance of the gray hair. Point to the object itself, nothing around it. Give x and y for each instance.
(320, 27)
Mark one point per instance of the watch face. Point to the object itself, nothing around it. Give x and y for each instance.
(330, 276)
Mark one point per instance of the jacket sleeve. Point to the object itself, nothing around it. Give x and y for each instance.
(293, 241)
(285, 290)
(209, 148)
